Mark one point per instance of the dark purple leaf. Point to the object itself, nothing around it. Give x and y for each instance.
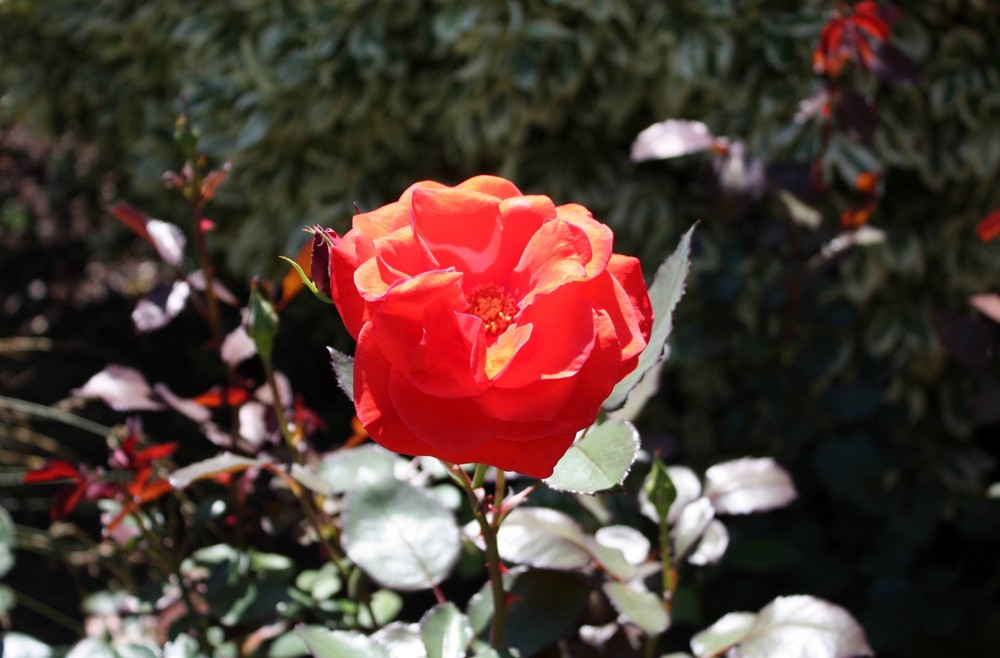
(968, 339)
(856, 116)
(892, 64)
(159, 307)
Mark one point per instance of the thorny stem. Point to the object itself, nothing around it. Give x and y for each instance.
(669, 572)
(489, 529)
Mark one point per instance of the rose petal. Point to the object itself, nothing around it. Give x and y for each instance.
(559, 352)
(556, 254)
(536, 458)
(461, 228)
(501, 188)
(450, 425)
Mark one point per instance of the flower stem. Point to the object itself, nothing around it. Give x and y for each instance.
(489, 526)
(669, 573)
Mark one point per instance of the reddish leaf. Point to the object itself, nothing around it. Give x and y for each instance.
(867, 182)
(214, 179)
(66, 500)
(131, 217)
(55, 469)
(215, 398)
(989, 227)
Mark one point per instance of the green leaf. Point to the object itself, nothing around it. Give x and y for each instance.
(384, 604)
(639, 607)
(400, 535)
(445, 631)
(323, 643)
(659, 489)
(227, 462)
(310, 479)
(803, 626)
(598, 461)
(723, 634)
(348, 468)
(545, 606)
(254, 130)
(543, 538)
(261, 324)
(6, 542)
(343, 367)
(666, 290)
(8, 601)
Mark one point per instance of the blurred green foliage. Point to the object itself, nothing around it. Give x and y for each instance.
(875, 383)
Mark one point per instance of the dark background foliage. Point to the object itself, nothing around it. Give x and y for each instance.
(873, 382)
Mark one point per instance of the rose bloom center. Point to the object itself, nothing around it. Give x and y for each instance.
(493, 305)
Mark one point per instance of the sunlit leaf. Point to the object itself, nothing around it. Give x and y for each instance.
(348, 468)
(90, 648)
(713, 544)
(324, 643)
(121, 388)
(543, 538)
(237, 347)
(224, 463)
(723, 634)
(639, 607)
(664, 293)
(400, 535)
(793, 626)
(747, 485)
(600, 460)
(160, 306)
(168, 239)
(23, 646)
(343, 366)
(445, 631)
(402, 640)
(670, 139)
(691, 524)
(632, 543)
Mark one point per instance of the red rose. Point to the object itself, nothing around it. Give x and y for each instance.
(490, 325)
